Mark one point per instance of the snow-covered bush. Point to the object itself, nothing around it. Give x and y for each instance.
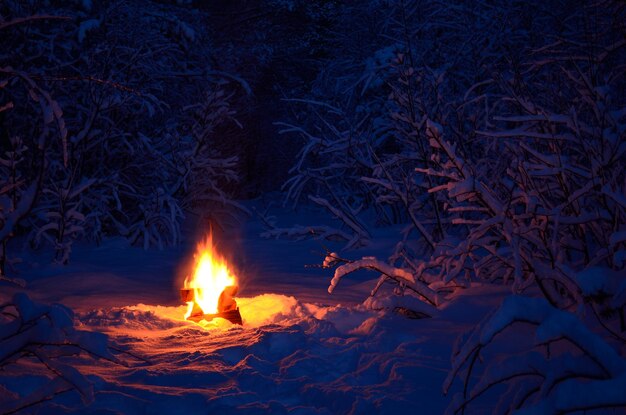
(565, 368)
(496, 133)
(59, 212)
(327, 170)
(45, 337)
(206, 176)
(500, 172)
(544, 202)
(12, 190)
(27, 146)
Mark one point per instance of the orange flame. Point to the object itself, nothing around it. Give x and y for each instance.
(210, 276)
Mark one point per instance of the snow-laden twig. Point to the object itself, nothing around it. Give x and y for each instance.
(298, 232)
(399, 275)
(22, 20)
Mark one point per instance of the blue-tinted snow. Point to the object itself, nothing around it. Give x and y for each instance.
(318, 353)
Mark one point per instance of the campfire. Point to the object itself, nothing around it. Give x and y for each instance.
(210, 288)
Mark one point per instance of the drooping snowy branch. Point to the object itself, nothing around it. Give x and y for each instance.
(588, 362)
(399, 275)
(46, 334)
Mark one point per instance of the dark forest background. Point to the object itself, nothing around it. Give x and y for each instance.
(489, 136)
(122, 118)
(492, 131)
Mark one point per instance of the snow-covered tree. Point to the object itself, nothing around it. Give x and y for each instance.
(115, 85)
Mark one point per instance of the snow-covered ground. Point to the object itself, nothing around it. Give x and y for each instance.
(300, 350)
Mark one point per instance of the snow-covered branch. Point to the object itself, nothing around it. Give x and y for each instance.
(400, 276)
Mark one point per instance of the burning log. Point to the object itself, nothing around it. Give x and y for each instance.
(210, 288)
(226, 306)
(233, 316)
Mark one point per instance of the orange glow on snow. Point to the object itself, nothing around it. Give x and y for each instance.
(210, 276)
(256, 312)
(266, 309)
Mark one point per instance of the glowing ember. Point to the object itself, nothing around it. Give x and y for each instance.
(209, 290)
